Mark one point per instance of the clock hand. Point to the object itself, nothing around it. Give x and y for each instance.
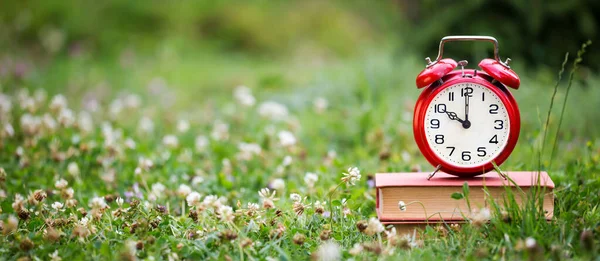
(466, 123)
(467, 107)
(454, 117)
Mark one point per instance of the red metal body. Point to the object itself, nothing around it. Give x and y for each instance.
(500, 72)
(453, 78)
(435, 72)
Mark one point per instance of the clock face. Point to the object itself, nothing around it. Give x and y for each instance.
(466, 125)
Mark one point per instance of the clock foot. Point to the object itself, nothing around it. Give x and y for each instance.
(435, 171)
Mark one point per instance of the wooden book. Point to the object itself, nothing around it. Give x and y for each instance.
(435, 194)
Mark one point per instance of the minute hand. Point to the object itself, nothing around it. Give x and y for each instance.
(467, 107)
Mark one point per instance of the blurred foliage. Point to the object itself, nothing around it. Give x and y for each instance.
(255, 27)
(537, 31)
(535, 34)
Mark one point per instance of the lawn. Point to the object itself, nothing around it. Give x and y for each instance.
(186, 150)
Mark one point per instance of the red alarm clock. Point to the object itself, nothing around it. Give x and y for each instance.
(466, 120)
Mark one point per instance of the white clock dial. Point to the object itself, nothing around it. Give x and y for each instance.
(467, 125)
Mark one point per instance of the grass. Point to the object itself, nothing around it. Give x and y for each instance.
(367, 123)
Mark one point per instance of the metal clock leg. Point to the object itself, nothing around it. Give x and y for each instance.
(435, 171)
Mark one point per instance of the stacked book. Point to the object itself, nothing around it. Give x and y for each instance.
(409, 200)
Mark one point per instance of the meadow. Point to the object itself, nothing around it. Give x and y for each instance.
(175, 148)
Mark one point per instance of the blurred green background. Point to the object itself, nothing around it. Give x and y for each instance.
(534, 32)
(366, 53)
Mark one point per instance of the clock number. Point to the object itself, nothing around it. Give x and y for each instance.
(500, 124)
(493, 108)
(435, 123)
(440, 108)
(481, 152)
(466, 155)
(452, 150)
(468, 91)
(451, 96)
(439, 139)
(494, 139)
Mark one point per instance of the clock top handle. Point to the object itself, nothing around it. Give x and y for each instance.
(462, 38)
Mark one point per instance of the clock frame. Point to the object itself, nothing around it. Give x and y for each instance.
(451, 79)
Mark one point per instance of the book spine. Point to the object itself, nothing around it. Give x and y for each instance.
(377, 198)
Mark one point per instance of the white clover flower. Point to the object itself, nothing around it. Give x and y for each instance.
(5, 104)
(28, 104)
(248, 150)
(310, 179)
(295, 197)
(201, 143)
(8, 130)
(68, 193)
(406, 156)
(58, 102)
(49, 122)
(278, 184)
(183, 190)
(287, 160)
(267, 198)
(73, 169)
(329, 251)
(132, 101)
(61, 184)
(40, 95)
(211, 200)
(71, 202)
(54, 256)
(119, 201)
(183, 126)
(170, 141)
(220, 131)
(402, 205)
(320, 104)
(193, 198)
(226, 166)
(197, 180)
(319, 204)
(374, 227)
(480, 217)
(130, 143)
(85, 122)
(225, 213)
(97, 203)
(356, 249)
(391, 233)
(84, 221)
(253, 206)
(351, 176)
(530, 242)
(115, 108)
(146, 125)
(158, 189)
(243, 95)
(145, 163)
(286, 138)
(57, 205)
(30, 124)
(273, 110)
(66, 117)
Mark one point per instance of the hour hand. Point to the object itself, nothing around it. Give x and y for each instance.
(454, 117)
(465, 123)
